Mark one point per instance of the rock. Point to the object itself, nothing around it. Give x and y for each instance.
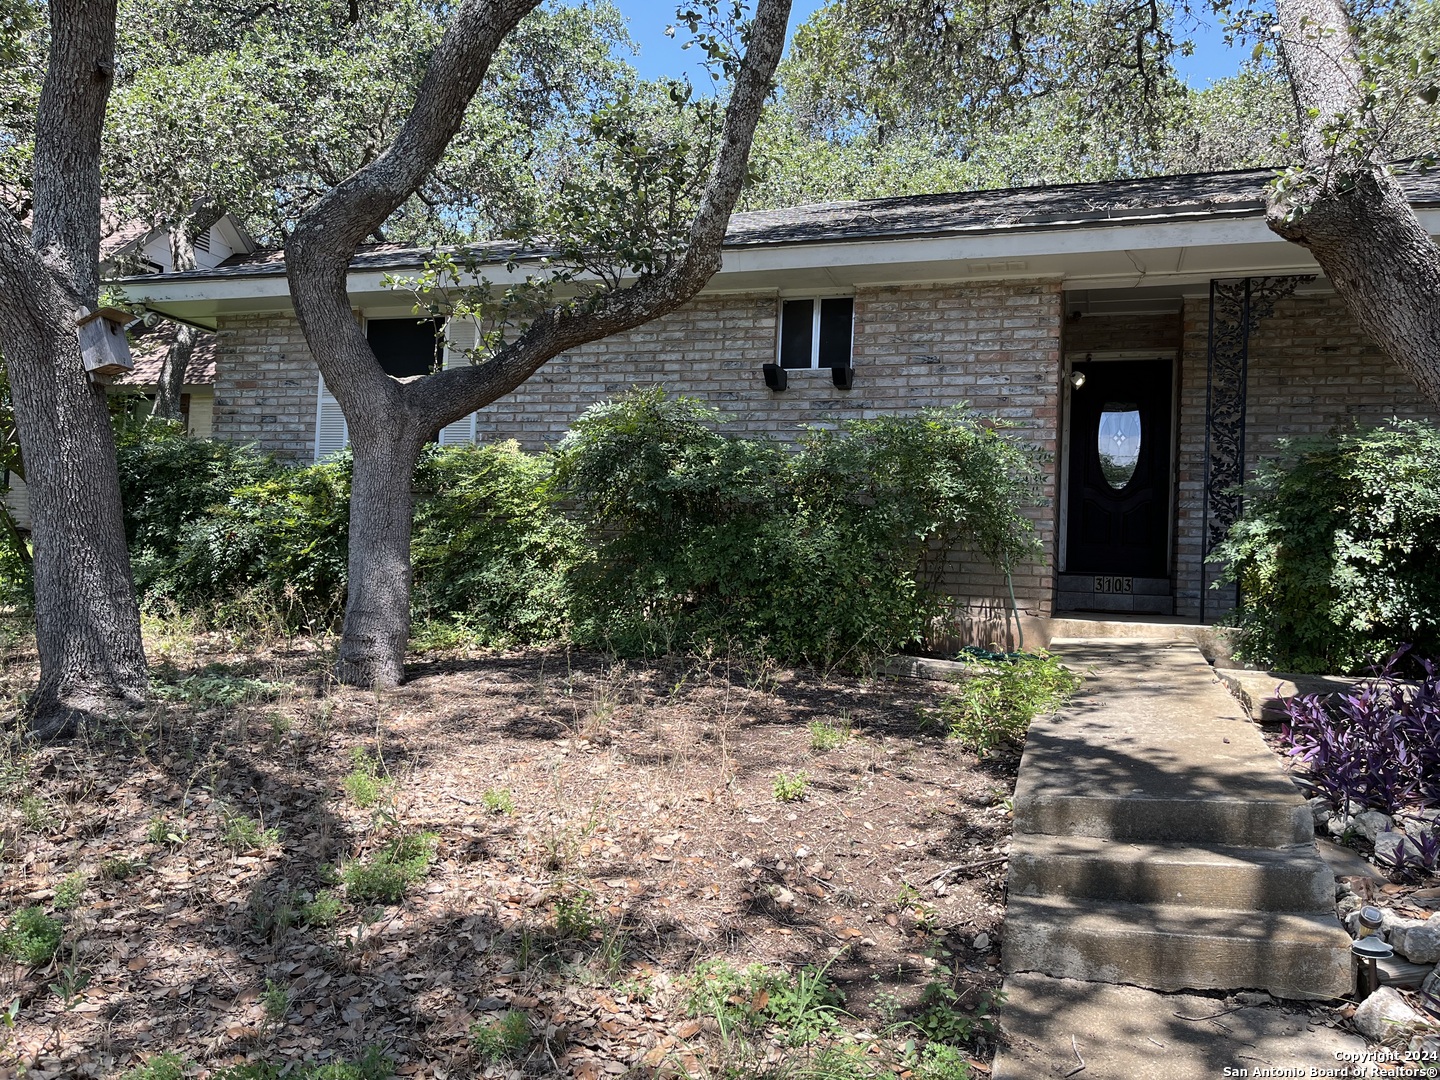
(1320, 810)
(1336, 826)
(1254, 997)
(1430, 993)
(1394, 927)
(1425, 1048)
(981, 942)
(1387, 847)
(1371, 823)
(1349, 905)
(1382, 1012)
(1420, 823)
(1421, 944)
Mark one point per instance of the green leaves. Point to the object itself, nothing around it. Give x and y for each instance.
(1335, 554)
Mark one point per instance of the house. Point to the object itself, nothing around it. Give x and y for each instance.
(1152, 336)
(130, 247)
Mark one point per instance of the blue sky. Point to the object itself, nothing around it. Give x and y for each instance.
(660, 55)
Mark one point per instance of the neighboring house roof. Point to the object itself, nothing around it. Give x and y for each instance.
(1152, 199)
(147, 351)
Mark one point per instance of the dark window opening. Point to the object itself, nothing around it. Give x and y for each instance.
(406, 347)
(797, 329)
(816, 333)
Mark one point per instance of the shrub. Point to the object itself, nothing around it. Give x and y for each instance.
(1376, 747)
(491, 551)
(220, 529)
(818, 555)
(996, 701)
(31, 937)
(1335, 553)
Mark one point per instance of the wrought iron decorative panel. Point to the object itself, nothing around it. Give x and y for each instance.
(1236, 308)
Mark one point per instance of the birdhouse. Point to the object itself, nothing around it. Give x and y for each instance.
(102, 342)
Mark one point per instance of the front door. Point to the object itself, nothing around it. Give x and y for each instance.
(1118, 518)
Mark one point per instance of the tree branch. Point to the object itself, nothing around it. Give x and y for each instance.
(448, 395)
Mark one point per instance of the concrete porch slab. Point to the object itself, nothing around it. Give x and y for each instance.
(1125, 1033)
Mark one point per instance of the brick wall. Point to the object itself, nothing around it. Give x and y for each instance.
(995, 345)
(1310, 369)
(1109, 333)
(266, 385)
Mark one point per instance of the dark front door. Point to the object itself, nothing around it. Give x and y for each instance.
(1119, 510)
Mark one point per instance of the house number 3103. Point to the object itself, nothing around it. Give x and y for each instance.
(1106, 584)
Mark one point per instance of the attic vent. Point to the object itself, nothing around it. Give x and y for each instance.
(202, 242)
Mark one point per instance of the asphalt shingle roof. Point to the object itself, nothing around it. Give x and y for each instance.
(912, 216)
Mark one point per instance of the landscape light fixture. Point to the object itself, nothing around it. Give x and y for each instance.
(1370, 948)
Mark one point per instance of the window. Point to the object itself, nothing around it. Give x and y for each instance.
(406, 347)
(816, 333)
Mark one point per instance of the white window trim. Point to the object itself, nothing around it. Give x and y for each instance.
(818, 299)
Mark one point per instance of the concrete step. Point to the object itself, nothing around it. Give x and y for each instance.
(1167, 947)
(1154, 750)
(1053, 1026)
(1252, 879)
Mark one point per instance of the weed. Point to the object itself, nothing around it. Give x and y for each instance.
(205, 691)
(321, 911)
(72, 981)
(790, 787)
(937, 1061)
(161, 832)
(994, 703)
(804, 1003)
(825, 736)
(940, 1018)
(38, 814)
(31, 937)
(373, 1065)
(165, 1066)
(363, 783)
(384, 878)
(118, 868)
(275, 1000)
(502, 1039)
(497, 801)
(70, 892)
(243, 833)
(575, 916)
(271, 914)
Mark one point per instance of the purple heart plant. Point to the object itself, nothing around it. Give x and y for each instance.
(1376, 748)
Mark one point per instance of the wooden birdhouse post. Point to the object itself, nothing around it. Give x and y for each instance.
(103, 346)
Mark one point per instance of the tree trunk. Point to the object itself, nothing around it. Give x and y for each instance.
(1346, 208)
(389, 420)
(377, 603)
(171, 384)
(87, 623)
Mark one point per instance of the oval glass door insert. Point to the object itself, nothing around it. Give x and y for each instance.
(1119, 438)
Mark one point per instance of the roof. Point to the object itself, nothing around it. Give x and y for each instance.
(1150, 199)
(147, 352)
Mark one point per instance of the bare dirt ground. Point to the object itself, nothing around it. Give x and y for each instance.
(601, 830)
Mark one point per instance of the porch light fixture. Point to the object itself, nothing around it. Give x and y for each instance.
(843, 377)
(775, 377)
(1077, 379)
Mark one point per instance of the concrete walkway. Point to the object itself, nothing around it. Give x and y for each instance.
(1157, 844)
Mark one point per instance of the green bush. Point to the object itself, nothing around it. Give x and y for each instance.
(994, 702)
(490, 549)
(818, 554)
(223, 530)
(31, 937)
(1336, 552)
